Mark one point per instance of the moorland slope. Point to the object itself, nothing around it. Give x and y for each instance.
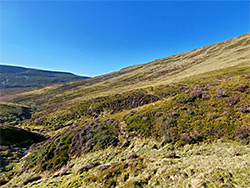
(175, 122)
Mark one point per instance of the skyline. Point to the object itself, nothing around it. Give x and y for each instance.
(94, 38)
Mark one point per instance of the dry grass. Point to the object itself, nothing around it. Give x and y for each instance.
(216, 164)
(216, 57)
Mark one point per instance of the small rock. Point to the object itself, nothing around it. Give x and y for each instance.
(196, 93)
(36, 178)
(205, 96)
(174, 114)
(138, 115)
(158, 114)
(243, 109)
(88, 167)
(184, 175)
(233, 100)
(133, 156)
(195, 183)
(154, 146)
(104, 167)
(242, 88)
(183, 108)
(172, 156)
(89, 145)
(69, 123)
(25, 152)
(187, 91)
(221, 93)
(106, 120)
(125, 144)
(144, 118)
(240, 70)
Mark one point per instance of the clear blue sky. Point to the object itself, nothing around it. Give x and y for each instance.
(93, 38)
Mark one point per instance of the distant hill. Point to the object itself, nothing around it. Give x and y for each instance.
(20, 77)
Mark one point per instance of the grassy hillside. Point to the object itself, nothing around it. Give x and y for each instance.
(157, 144)
(20, 77)
(222, 57)
(175, 122)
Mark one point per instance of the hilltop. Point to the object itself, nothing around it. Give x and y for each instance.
(174, 122)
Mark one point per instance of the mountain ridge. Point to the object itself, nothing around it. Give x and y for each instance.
(17, 76)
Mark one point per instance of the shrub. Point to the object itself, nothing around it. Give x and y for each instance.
(186, 139)
(243, 109)
(233, 100)
(220, 92)
(206, 96)
(241, 87)
(172, 156)
(133, 156)
(32, 180)
(88, 167)
(243, 134)
(247, 76)
(196, 93)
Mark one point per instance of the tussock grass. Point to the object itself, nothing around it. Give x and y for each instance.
(216, 164)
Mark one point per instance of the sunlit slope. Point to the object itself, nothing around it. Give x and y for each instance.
(156, 142)
(229, 54)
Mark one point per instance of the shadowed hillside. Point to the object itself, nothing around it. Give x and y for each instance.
(20, 77)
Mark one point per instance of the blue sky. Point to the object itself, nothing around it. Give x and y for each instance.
(93, 38)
